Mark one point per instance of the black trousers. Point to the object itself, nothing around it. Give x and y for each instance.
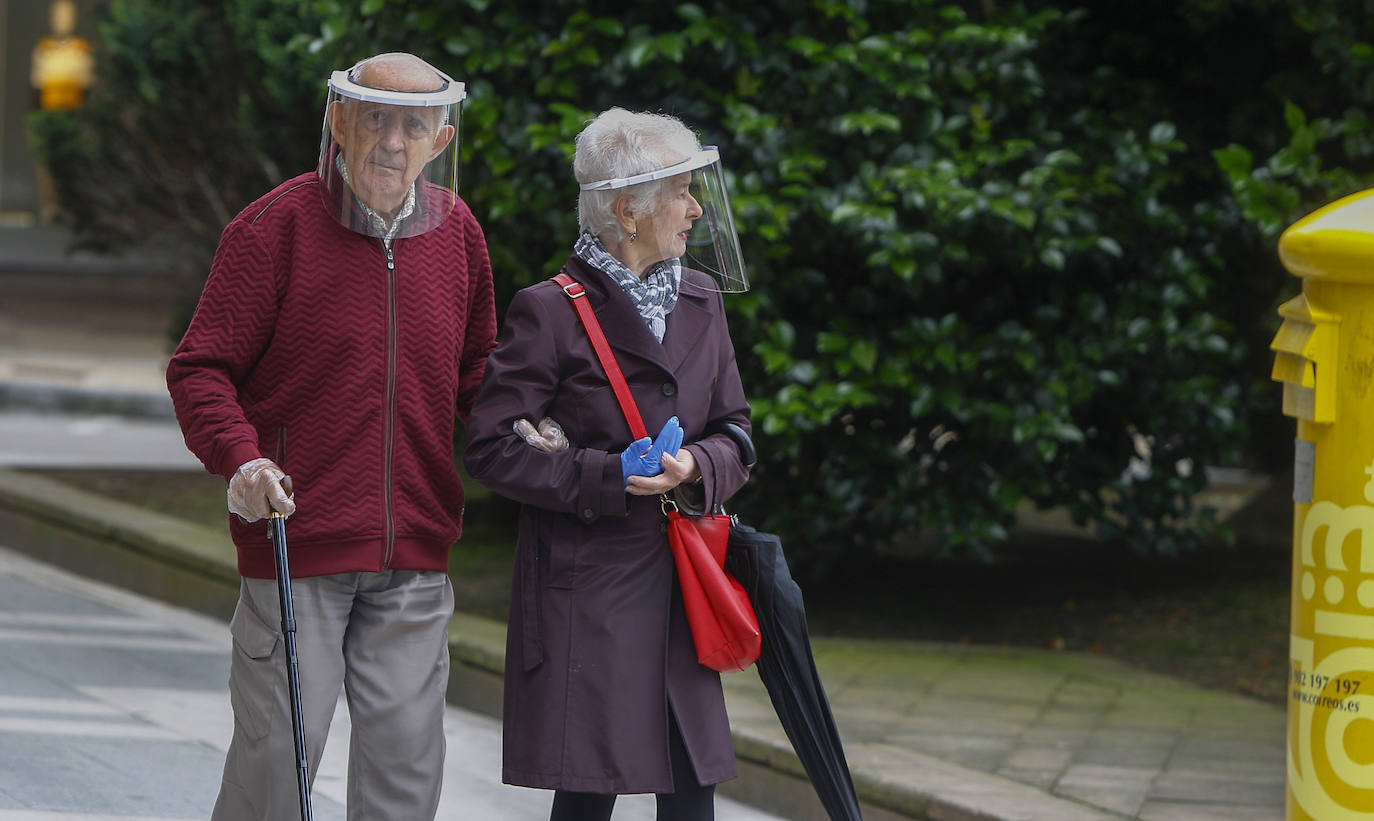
(689, 802)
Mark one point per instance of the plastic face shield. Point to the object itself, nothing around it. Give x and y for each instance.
(712, 242)
(389, 159)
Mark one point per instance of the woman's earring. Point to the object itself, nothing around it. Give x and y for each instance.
(634, 235)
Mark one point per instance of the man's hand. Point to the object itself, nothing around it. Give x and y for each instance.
(255, 491)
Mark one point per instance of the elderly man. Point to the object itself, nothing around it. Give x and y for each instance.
(345, 323)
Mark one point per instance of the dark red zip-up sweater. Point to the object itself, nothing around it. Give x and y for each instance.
(346, 364)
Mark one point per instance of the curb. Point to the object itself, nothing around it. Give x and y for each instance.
(56, 399)
(194, 566)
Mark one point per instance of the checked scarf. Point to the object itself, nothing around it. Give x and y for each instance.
(654, 296)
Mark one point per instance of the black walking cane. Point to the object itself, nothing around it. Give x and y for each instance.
(277, 530)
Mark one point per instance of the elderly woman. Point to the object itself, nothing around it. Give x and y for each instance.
(603, 691)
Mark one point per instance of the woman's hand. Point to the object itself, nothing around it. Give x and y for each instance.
(548, 437)
(677, 470)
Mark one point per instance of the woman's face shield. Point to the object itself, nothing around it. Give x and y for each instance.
(712, 242)
(389, 159)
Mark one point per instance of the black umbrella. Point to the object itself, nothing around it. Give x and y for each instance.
(788, 669)
(277, 530)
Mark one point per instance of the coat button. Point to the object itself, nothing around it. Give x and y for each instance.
(669, 389)
(588, 514)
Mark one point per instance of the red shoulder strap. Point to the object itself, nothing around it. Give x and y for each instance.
(578, 295)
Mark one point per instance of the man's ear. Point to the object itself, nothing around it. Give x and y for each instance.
(624, 215)
(441, 140)
(336, 121)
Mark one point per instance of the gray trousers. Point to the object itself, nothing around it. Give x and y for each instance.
(383, 638)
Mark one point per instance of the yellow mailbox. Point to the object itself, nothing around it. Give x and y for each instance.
(1324, 356)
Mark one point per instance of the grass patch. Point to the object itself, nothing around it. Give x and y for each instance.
(1216, 618)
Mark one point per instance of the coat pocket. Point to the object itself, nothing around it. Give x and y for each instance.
(256, 672)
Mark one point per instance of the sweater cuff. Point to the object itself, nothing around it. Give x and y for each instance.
(236, 455)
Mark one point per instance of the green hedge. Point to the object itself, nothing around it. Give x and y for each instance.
(995, 262)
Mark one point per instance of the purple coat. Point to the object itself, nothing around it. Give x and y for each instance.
(597, 643)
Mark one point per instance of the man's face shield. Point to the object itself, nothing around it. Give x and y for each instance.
(712, 244)
(389, 159)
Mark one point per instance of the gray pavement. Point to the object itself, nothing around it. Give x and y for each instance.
(32, 438)
(931, 730)
(114, 706)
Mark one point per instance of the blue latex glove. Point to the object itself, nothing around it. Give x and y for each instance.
(669, 441)
(633, 458)
(637, 461)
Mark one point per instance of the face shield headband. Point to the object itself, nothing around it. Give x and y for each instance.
(388, 162)
(712, 243)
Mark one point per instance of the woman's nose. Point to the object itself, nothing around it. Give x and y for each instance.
(694, 210)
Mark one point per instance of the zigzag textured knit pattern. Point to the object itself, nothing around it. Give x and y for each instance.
(308, 349)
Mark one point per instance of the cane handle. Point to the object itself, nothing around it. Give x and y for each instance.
(290, 490)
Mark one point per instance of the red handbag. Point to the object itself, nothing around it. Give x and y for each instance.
(725, 629)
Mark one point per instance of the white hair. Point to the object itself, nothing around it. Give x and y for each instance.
(620, 143)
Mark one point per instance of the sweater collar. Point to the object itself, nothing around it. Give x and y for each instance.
(383, 227)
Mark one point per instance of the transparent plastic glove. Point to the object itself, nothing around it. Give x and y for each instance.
(548, 437)
(650, 462)
(255, 491)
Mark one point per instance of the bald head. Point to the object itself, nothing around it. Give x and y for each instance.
(397, 71)
(386, 146)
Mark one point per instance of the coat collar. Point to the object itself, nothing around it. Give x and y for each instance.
(628, 333)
